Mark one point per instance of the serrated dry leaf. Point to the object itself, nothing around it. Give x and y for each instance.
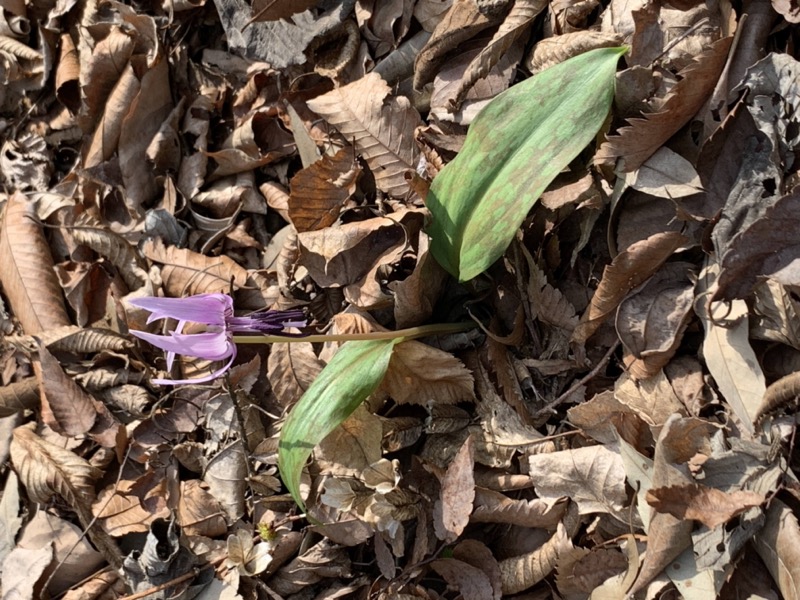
(419, 374)
(639, 140)
(291, 369)
(453, 508)
(380, 126)
(121, 511)
(116, 249)
(26, 269)
(78, 340)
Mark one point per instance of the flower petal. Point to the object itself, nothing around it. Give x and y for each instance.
(202, 308)
(211, 346)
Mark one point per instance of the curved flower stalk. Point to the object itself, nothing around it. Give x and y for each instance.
(217, 343)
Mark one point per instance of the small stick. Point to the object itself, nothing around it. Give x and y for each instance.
(589, 376)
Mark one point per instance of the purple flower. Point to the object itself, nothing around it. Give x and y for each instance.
(215, 311)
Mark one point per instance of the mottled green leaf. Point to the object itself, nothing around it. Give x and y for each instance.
(354, 373)
(515, 147)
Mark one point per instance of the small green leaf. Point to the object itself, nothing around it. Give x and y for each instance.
(515, 147)
(354, 373)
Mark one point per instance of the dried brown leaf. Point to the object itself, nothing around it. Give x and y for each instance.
(495, 507)
(116, 249)
(469, 580)
(320, 191)
(629, 269)
(77, 340)
(47, 470)
(72, 408)
(526, 570)
(26, 269)
(463, 21)
(18, 396)
(272, 10)
(766, 247)
(291, 369)
(381, 127)
(513, 27)
(558, 48)
(778, 545)
(186, 273)
(638, 141)
(651, 322)
(667, 536)
(420, 374)
(593, 477)
(453, 508)
(710, 506)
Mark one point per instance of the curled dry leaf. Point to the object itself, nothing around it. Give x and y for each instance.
(381, 127)
(558, 48)
(495, 507)
(70, 338)
(26, 269)
(526, 570)
(116, 249)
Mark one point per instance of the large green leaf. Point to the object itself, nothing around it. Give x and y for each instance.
(515, 147)
(354, 373)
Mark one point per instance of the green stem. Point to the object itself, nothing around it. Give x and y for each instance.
(410, 333)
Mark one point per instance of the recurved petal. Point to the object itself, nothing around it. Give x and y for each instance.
(211, 346)
(202, 308)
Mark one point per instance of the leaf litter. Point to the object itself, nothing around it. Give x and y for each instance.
(619, 423)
